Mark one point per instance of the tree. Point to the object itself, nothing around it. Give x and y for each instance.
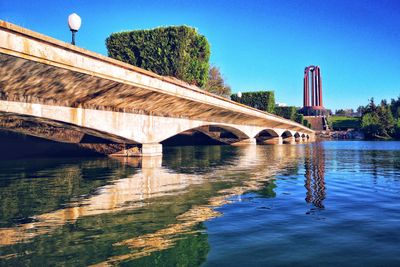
(371, 107)
(370, 125)
(360, 110)
(340, 112)
(377, 121)
(396, 131)
(386, 118)
(395, 107)
(216, 83)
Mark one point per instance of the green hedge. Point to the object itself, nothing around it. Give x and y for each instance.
(286, 112)
(307, 123)
(262, 100)
(290, 113)
(299, 118)
(265, 101)
(178, 51)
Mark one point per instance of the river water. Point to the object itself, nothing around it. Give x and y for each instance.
(322, 204)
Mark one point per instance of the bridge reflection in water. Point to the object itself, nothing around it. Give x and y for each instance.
(143, 210)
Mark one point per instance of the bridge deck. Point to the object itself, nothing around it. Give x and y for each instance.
(37, 69)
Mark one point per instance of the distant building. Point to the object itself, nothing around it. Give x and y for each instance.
(348, 112)
(281, 104)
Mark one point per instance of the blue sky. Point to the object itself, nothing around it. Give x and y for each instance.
(258, 45)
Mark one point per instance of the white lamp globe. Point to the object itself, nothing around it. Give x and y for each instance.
(239, 94)
(74, 22)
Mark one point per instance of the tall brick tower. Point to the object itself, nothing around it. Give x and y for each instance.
(312, 92)
(313, 109)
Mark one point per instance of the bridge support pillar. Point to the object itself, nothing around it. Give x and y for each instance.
(250, 141)
(274, 141)
(290, 140)
(150, 150)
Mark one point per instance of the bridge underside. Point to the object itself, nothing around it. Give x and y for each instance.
(24, 80)
(63, 93)
(112, 117)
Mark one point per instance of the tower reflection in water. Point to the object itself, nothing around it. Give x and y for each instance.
(314, 164)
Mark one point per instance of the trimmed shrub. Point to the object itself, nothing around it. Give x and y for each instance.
(178, 51)
(262, 100)
(286, 112)
(299, 118)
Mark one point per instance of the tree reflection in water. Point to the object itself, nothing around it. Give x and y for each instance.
(314, 164)
(138, 212)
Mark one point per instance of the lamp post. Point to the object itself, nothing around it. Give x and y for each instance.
(239, 96)
(74, 23)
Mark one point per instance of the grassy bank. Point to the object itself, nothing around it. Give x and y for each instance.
(341, 123)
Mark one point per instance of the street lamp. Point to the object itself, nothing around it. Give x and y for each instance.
(74, 23)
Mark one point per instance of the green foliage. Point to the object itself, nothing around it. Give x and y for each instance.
(395, 107)
(340, 112)
(216, 83)
(268, 190)
(371, 126)
(340, 123)
(396, 132)
(178, 51)
(386, 117)
(306, 123)
(299, 118)
(262, 100)
(265, 101)
(378, 121)
(189, 250)
(288, 112)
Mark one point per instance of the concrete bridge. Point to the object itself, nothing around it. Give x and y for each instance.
(61, 92)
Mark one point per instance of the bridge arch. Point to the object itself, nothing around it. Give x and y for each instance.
(224, 134)
(268, 137)
(288, 137)
(286, 134)
(268, 132)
